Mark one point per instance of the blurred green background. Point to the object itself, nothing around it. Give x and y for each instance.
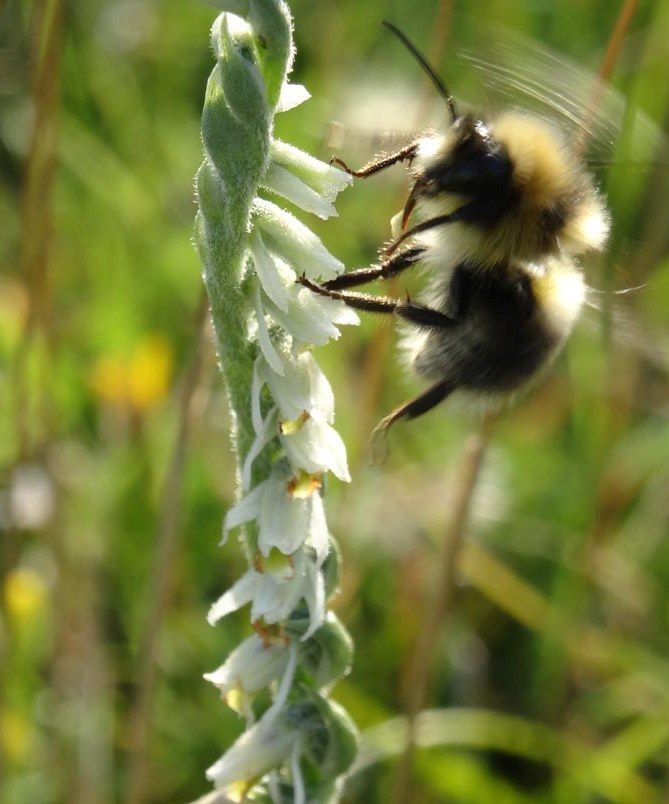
(116, 465)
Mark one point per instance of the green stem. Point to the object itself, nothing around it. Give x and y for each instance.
(241, 96)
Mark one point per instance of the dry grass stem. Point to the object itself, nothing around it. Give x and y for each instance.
(439, 604)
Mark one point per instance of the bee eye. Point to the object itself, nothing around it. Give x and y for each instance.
(477, 164)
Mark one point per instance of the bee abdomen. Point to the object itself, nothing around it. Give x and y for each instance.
(511, 323)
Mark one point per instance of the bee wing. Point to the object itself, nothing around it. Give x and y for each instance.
(627, 328)
(340, 136)
(518, 72)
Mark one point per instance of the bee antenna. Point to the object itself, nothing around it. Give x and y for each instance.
(439, 84)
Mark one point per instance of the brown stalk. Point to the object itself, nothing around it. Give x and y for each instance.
(617, 38)
(35, 229)
(167, 542)
(440, 603)
(609, 61)
(36, 208)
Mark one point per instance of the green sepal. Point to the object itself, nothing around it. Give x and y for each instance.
(331, 569)
(330, 738)
(327, 655)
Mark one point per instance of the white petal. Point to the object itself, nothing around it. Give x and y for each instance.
(303, 386)
(284, 183)
(293, 593)
(269, 595)
(320, 390)
(259, 749)
(301, 323)
(299, 796)
(317, 447)
(284, 687)
(315, 597)
(266, 345)
(278, 596)
(311, 319)
(267, 433)
(292, 95)
(325, 179)
(250, 667)
(283, 520)
(237, 596)
(319, 535)
(291, 239)
(256, 389)
(288, 276)
(272, 282)
(245, 510)
(341, 313)
(290, 390)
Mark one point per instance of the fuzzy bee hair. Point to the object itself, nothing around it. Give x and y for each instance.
(505, 207)
(516, 189)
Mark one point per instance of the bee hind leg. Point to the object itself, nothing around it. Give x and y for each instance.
(409, 410)
(417, 314)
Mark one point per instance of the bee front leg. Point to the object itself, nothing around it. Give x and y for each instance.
(376, 165)
(390, 267)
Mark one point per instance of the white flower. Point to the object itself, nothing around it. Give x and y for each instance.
(288, 237)
(311, 319)
(286, 184)
(325, 179)
(248, 669)
(265, 432)
(315, 446)
(304, 180)
(289, 512)
(275, 593)
(260, 748)
(266, 346)
(300, 387)
(273, 283)
(286, 522)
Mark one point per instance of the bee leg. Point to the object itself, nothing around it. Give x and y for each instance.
(467, 212)
(377, 165)
(417, 314)
(388, 268)
(410, 410)
(411, 201)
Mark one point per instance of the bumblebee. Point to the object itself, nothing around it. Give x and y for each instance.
(506, 207)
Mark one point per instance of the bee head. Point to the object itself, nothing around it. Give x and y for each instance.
(474, 165)
(468, 162)
(514, 183)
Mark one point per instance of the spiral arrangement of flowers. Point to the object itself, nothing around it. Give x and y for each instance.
(298, 742)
